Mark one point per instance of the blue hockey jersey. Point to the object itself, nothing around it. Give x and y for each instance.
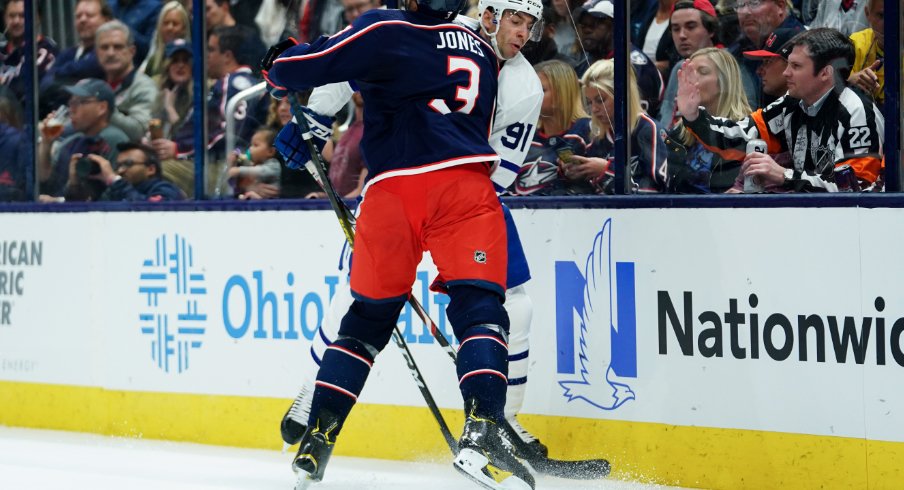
(429, 88)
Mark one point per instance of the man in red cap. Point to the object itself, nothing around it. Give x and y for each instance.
(773, 61)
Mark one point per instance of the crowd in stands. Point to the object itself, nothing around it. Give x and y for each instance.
(118, 119)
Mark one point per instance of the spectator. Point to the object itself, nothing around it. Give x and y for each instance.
(563, 128)
(546, 48)
(292, 183)
(277, 19)
(141, 17)
(135, 91)
(693, 26)
(696, 19)
(245, 12)
(12, 55)
(91, 105)
(218, 15)
(320, 18)
(137, 176)
(844, 15)
(257, 175)
(595, 30)
(565, 34)
(14, 166)
(647, 165)
(655, 32)
(228, 61)
(78, 62)
(773, 62)
(279, 114)
(822, 123)
(869, 48)
(722, 95)
(175, 141)
(758, 19)
(347, 170)
(172, 24)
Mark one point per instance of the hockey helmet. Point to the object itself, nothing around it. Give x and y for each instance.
(534, 8)
(446, 9)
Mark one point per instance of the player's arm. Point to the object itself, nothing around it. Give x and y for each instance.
(511, 137)
(347, 55)
(329, 99)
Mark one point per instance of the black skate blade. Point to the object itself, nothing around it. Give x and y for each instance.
(581, 469)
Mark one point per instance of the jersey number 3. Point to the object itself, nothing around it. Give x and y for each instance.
(467, 95)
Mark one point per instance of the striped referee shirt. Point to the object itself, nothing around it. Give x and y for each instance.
(843, 127)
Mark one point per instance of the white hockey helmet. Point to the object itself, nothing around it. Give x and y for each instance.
(534, 8)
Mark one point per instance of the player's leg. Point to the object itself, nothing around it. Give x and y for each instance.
(386, 258)
(295, 421)
(466, 238)
(520, 310)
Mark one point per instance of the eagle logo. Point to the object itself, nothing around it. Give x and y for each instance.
(596, 382)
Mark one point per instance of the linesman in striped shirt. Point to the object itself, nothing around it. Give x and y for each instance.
(821, 122)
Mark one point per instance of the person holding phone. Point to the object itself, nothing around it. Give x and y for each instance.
(647, 165)
(563, 130)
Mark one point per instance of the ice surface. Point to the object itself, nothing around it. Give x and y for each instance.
(33, 459)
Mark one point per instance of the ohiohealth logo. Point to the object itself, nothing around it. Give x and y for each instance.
(173, 286)
(604, 320)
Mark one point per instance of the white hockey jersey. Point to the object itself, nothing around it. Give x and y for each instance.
(518, 102)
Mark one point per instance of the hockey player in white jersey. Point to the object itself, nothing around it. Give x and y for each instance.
(508, 25)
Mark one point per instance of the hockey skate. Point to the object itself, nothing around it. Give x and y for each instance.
(315, 449)
(295, 421)
(528, 438)
(487, 457)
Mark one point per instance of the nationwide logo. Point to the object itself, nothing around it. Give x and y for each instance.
(172, 285)
(596, 330)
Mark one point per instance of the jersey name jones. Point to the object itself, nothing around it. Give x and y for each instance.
(459, 40)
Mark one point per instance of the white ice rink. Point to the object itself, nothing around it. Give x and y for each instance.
(39, 459)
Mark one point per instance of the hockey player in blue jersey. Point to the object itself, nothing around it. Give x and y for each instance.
(425, 144)
(504, 23)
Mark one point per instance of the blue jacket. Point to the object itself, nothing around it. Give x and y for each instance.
(153, 190)
(14, 166)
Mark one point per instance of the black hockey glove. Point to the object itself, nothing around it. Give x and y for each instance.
(276, 50)
(276, 91)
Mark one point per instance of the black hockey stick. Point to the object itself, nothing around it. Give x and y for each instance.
(346, 221)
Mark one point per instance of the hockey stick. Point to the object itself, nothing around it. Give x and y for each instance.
(346, 222)
(578, 469)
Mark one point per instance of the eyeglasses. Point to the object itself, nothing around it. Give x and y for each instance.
(129, 163)
(76, 102)
(749, 4)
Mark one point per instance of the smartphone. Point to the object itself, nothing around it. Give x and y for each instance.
(565, 155)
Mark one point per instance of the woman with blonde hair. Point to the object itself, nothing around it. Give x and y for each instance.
(563, 129)
(722, 94)
(173, 23)
(648, 161)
